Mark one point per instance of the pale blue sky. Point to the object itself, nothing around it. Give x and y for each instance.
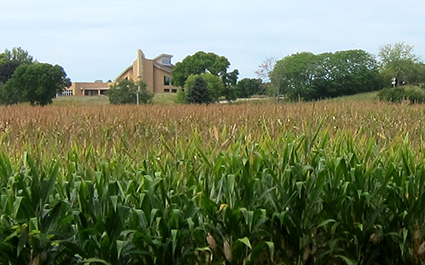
(95, 39)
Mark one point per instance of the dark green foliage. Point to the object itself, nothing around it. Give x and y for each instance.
(10, 60)
(305, 76)
(214, 84)
(248, 87)
(398, 94)
(199, 93)
(125, 92)
(36, 83)
(7, 70)
(230, 79)
(230, 93)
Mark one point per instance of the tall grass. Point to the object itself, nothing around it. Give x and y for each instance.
(306, 183)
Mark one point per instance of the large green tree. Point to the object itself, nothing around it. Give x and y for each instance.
(398, 60)
(199, 63)
(36, 83)
(293, 76)
(248, 87)
(308, 77)
(346, 73)
(125, 92)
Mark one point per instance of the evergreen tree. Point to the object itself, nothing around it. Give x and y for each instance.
(199, 93)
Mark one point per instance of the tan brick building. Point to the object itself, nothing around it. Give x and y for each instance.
(88, 88)
(156, 73)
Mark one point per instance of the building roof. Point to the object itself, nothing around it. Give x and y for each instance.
(166, 68)
(162, 55)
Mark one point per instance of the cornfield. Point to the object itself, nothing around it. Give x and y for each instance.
(307, 183)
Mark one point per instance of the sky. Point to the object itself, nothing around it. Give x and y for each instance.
(98, 39)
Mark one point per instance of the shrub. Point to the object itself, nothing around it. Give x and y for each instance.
(413, 94)
(181, 97)
(125, 92)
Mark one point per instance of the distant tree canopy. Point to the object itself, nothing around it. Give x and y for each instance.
(10, 60)
(248, 87)
(199, 63)
(206, 63)
(398, 61)
(306, 76)
(17, 54)
(36, 83)
(125, 92)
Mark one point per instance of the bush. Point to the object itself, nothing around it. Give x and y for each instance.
(395, 95)
(125, 92)
(181, 97)
(413, 94)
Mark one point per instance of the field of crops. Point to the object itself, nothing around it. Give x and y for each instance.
(333, 182)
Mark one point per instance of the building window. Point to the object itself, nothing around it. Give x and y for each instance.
(166, 61)
(166, 90)
(166, 81)
(174, 90)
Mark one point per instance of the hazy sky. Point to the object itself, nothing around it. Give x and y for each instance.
(95, 39)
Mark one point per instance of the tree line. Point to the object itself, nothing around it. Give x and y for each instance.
(308, 76)
(300, 76)
(205, 77)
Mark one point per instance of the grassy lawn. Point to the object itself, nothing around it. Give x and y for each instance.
(170, 98)
(159, 98)
(361, 97)
(81, 100)
(165, 98)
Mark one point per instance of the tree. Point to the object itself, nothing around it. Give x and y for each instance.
(248, 87)
(199, 93)
(307, 76)
(125, 92)
(6, 70)
(10, 60)
(293, 76)
(199, 63)
(230, 80)
(346, 73)
(17, 54)
(399, 60)
(214, 84)
(265, 68)
(36, 83)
